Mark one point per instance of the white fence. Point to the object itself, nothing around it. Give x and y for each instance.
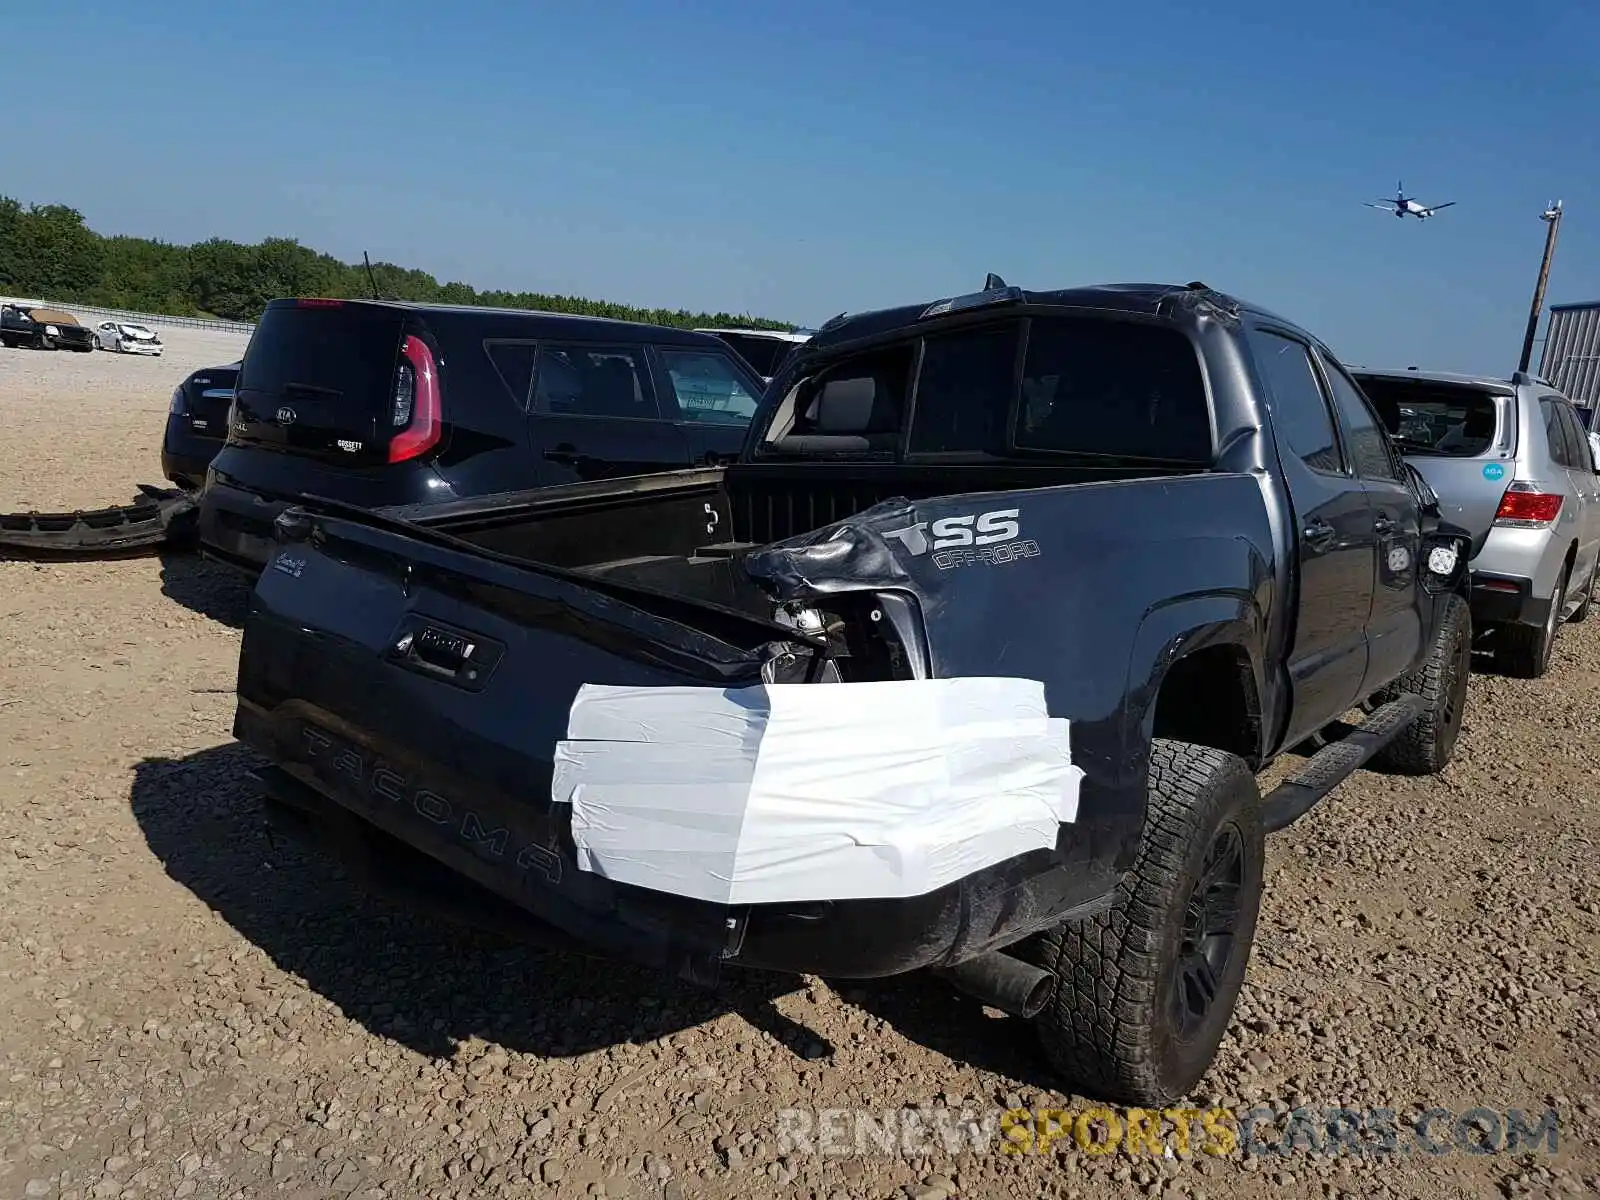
(82, 311)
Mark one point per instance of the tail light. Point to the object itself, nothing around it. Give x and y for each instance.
(179, 405)
(1524, 506)
(415, 410)
(318, 302)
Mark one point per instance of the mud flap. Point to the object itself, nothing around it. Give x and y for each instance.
(163, 517)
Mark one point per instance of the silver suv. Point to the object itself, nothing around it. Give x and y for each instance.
(1512, 463)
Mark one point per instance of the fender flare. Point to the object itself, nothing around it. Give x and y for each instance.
(1171, 632)
(161, 517)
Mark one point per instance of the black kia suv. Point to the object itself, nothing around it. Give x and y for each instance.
(376, 402)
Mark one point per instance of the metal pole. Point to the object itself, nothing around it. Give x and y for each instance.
(1552, 217)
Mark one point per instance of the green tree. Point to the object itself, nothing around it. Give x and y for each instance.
(47, 251)
(50, 253)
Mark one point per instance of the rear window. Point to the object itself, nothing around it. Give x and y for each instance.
(342, 353)
(1086, 386)
(1117, 388)
(1432, 418)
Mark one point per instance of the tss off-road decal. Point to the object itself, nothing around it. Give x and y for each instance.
(973, 539)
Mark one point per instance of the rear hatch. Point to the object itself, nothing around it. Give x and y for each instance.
(349, 383)
(1462, 437)
(205, 398)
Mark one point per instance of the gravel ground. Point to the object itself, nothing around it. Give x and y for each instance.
(187, 1009)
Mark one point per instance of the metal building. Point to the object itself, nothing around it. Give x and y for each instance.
(1571, 358)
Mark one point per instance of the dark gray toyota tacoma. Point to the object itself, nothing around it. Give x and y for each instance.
(969, 664)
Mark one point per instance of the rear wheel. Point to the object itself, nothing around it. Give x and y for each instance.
(1145, 991)
(1425, 746)
(1524, 650)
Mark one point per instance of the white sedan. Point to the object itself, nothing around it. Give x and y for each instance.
(127, 338)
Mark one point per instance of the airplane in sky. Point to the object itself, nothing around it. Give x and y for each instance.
(1406, 206)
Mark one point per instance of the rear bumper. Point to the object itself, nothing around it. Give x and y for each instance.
(1514, 575)
(1506, 600)
(185, 456)
(521, 852)
(236, 526)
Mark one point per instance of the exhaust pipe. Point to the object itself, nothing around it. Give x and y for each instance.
(1006, 983)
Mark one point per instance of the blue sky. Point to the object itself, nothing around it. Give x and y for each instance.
(797, 160)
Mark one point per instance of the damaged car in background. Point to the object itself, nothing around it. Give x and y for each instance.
(41, 328)
(967, 665)
(126, 337)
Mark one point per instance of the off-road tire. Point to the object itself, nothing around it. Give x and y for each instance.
(1426, 745)
(1582, 611)
(1524, 650)
(1111, 1024)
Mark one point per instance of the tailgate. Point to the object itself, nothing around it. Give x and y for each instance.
(423, 685)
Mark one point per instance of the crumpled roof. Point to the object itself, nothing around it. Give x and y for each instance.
(53, 316)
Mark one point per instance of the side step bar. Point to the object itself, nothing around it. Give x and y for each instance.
(1336, 762)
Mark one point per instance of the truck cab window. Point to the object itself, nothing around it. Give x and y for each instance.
(1119, 389)
(1299, 409)
(1371, 450)
(853, 407)
(964, 391)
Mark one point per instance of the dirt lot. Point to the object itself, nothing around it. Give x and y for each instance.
(187, 1009)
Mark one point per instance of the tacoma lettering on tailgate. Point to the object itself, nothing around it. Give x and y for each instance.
(492, 841)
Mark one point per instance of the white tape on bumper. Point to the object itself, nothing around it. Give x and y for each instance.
(797, 792)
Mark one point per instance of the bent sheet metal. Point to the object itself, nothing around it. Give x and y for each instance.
(801, 792)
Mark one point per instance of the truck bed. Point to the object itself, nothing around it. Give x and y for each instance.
(688, 533)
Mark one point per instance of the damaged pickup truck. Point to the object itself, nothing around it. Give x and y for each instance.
(968, 665)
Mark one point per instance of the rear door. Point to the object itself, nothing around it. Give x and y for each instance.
(1337, 547)
(1585, 487)
(319, 381)
(1394, 621)
(593, 412)
(710, 396)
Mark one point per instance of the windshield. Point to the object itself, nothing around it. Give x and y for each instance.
(1448, 420)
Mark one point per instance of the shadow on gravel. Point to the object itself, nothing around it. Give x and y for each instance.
(205, 587)
(421, 980)
(430, 982)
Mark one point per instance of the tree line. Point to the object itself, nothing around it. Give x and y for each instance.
(48, 253)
